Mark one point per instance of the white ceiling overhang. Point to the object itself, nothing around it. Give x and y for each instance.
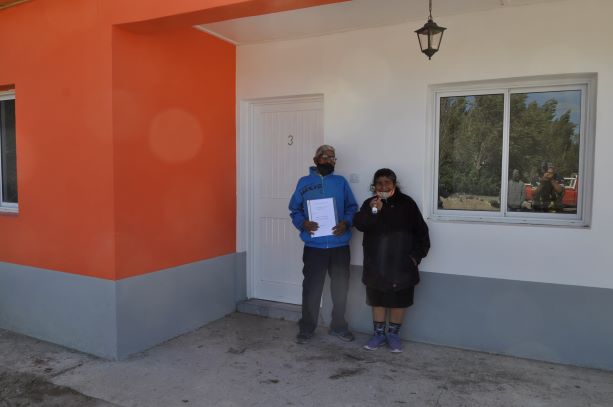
(346, 16)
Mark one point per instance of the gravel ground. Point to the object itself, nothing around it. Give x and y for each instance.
(245, 360)
(26, 389)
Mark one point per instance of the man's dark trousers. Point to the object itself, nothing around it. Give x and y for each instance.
(316, 262)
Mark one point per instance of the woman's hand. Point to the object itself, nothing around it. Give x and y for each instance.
(376, 202)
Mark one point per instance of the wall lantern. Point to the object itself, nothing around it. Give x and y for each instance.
(430, 36)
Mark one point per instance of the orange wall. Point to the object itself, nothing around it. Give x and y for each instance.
(174, 127)
(57, 55)
(125, 141)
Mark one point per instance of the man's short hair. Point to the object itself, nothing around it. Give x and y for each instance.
(322, 149)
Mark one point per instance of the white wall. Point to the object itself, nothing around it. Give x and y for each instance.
(375, 83)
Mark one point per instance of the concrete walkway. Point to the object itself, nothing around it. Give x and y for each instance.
(245, 360)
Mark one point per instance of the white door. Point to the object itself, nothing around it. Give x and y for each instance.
(285, 134)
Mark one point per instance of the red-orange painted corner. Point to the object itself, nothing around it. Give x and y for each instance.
(175, 148)
(125, 141)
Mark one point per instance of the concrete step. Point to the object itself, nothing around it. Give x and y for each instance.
(270, 309)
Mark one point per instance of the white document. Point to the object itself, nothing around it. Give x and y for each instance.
(322, 211)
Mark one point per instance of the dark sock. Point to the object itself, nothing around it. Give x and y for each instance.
(393, 328)
(379, 327)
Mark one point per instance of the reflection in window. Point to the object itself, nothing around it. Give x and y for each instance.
(470, 152)
(544, 151)
(514, 150)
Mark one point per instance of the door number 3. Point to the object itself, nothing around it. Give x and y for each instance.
(290, 140)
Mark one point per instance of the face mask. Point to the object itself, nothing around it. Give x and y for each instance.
(385, 195)
(325, 169)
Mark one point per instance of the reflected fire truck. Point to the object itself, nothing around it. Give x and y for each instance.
(569, 199)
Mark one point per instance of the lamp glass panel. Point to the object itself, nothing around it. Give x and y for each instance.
(436, 39)
(423, 41)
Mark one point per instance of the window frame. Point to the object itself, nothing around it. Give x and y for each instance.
(6, 207)
(585, 82)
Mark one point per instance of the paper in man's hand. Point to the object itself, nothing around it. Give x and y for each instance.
(322, 211)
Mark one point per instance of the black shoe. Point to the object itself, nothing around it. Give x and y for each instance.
(303, 337)
(345, 336)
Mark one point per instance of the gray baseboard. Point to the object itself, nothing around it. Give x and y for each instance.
(155, 307)
(113, 319)
(71, 310)
(550, 322)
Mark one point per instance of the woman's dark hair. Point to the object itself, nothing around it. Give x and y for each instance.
(387, 173)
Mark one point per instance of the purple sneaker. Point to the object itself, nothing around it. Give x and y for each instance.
(394, 342)
(375, 341)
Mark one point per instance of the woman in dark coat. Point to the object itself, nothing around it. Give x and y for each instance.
(395, 240)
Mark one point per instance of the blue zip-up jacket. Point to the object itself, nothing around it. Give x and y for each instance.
(314, 186)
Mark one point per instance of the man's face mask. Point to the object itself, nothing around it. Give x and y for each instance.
(325, 168)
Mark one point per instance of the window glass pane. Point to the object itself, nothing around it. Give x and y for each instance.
(544, 151)
(470, 152)
(7, 149)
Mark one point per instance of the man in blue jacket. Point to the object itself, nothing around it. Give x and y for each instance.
(324, 253)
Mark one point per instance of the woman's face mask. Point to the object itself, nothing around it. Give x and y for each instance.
(384, 187)
(385, 194)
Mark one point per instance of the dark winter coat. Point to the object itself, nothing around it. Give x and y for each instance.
(391, 237)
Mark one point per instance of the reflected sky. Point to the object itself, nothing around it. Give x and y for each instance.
(567, 100)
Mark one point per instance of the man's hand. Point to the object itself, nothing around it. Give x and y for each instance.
(309, 226)
(340, 228)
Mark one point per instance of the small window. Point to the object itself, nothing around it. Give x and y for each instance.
(8, 154)
(514, 151)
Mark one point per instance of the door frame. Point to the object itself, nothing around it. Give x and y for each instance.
(245, 165)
